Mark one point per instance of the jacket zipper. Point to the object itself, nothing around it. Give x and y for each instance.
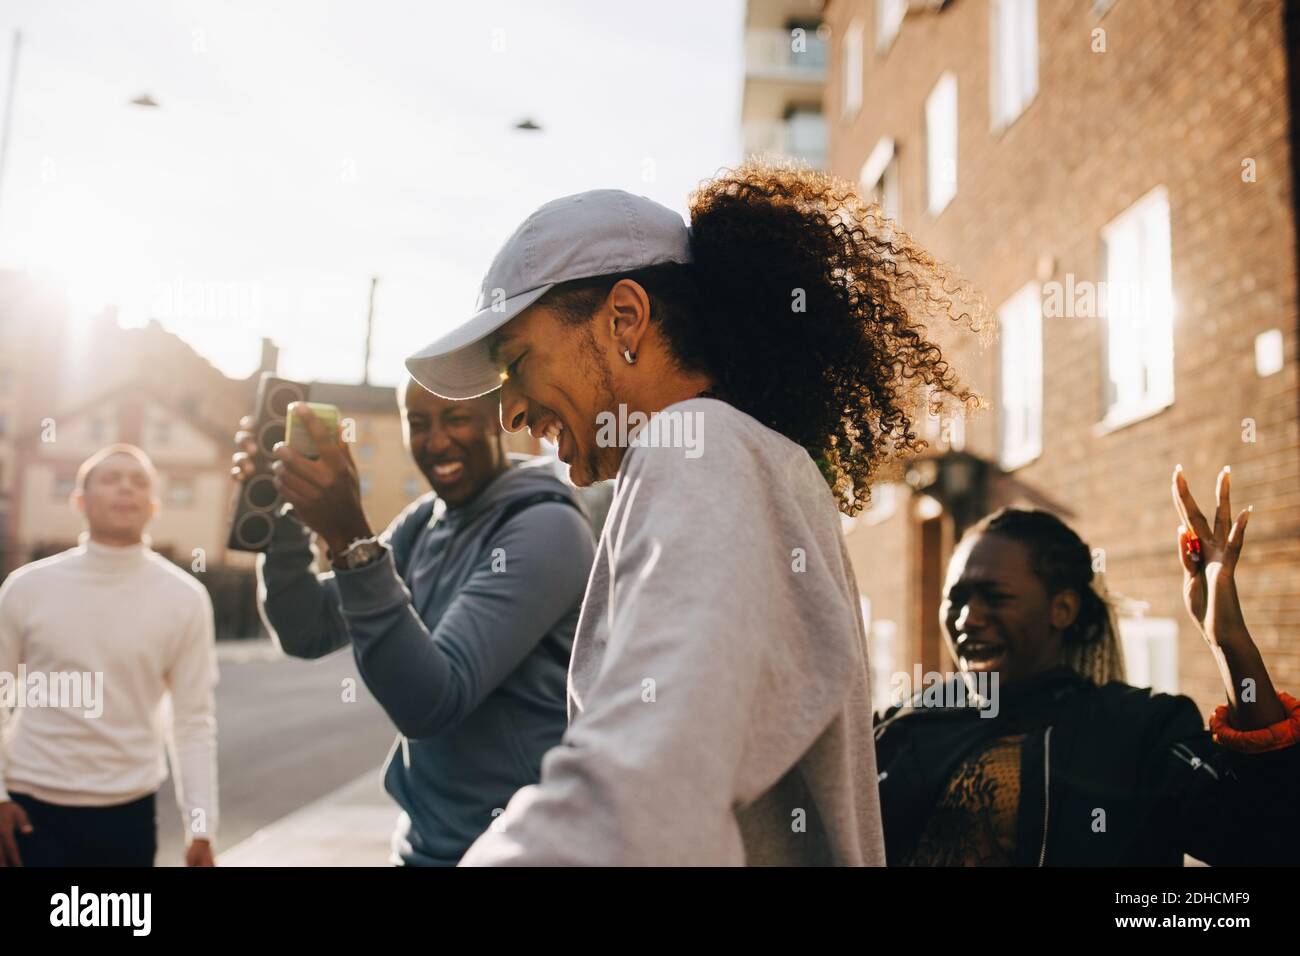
(1185, 753)
(1047, 791)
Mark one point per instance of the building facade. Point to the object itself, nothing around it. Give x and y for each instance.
(785, 72)
(1117, 178)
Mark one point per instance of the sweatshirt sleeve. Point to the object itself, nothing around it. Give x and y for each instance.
(430, 675)
(1223, 807)
(299, 607)
(694, 682)
(192, 741)
(11, 654)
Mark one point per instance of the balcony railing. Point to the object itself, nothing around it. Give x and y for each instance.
(804, 138)
(785, 55)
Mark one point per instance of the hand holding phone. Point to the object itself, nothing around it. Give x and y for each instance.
(298, 437)
(314, 471)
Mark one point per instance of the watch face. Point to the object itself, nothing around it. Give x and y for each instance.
(362, 554)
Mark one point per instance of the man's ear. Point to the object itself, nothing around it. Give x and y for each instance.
(629, 314)
(1065, 608)
(77, 501)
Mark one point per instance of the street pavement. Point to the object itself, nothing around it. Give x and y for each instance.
(285, 740)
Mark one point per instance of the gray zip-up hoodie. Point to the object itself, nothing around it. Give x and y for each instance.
(720, 709)
(465, 642)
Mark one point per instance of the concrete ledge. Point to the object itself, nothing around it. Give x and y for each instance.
(352, 826)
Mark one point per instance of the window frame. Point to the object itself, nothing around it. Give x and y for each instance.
(943, 95)
(881, 171)
(1151, 644)
(1023, 312)
(887, 30)
(1153, 397)
(1007, 106)
(852, 51)
(180, 481)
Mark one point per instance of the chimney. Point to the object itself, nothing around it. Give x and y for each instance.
(270, 356)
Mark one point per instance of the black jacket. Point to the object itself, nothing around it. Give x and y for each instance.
(1144, 759)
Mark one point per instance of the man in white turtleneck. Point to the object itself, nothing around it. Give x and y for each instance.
(107, 657)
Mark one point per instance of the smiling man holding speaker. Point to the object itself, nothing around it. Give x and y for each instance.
(460, 615)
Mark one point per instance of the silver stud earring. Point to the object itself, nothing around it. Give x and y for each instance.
(631, 359)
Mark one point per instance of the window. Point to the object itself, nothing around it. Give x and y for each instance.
(812, 56)
(63, 486)
(1013, 49)
(1269, 354)
(889, 18)
(180, 492)
(365, 485)
(366, 452)
(883, 641)
(95, 430)
(879, 178)
(805, 135)
(884, 502)
(1138, 304)
(411, 487)
(941, 143)
(163, 432)
(851, 65)
(1020, 403)
(1151, 652)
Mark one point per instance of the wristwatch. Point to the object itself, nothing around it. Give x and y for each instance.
(359, 553)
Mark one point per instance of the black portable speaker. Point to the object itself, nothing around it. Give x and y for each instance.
(256, 502)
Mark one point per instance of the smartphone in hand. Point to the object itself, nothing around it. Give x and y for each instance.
(296, 435)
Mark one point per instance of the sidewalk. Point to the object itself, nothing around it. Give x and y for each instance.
(248, 650)
(349, 827)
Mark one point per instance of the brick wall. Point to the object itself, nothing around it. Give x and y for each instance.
(1183, 94)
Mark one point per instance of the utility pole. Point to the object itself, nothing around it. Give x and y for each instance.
(9, 108)
(370, 330)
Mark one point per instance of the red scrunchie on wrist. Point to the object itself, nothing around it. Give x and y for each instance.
(1284, 733)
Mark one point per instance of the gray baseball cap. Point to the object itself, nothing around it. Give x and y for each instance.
(595, 233)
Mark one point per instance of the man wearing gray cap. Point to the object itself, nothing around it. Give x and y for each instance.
(738, 379)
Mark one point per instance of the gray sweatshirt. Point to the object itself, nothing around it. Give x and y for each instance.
(718, 696)
(465, 646)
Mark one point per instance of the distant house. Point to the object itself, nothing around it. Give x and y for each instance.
(191, 456)
(67, 392)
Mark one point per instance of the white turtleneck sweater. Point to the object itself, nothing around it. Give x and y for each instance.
(146, 626)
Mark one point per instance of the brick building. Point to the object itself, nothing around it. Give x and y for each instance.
(1044, 147)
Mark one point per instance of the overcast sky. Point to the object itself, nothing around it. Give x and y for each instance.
(302, 147)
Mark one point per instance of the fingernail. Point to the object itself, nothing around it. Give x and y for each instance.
(1227, 469)
(1178, 468)
(1250, 508)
